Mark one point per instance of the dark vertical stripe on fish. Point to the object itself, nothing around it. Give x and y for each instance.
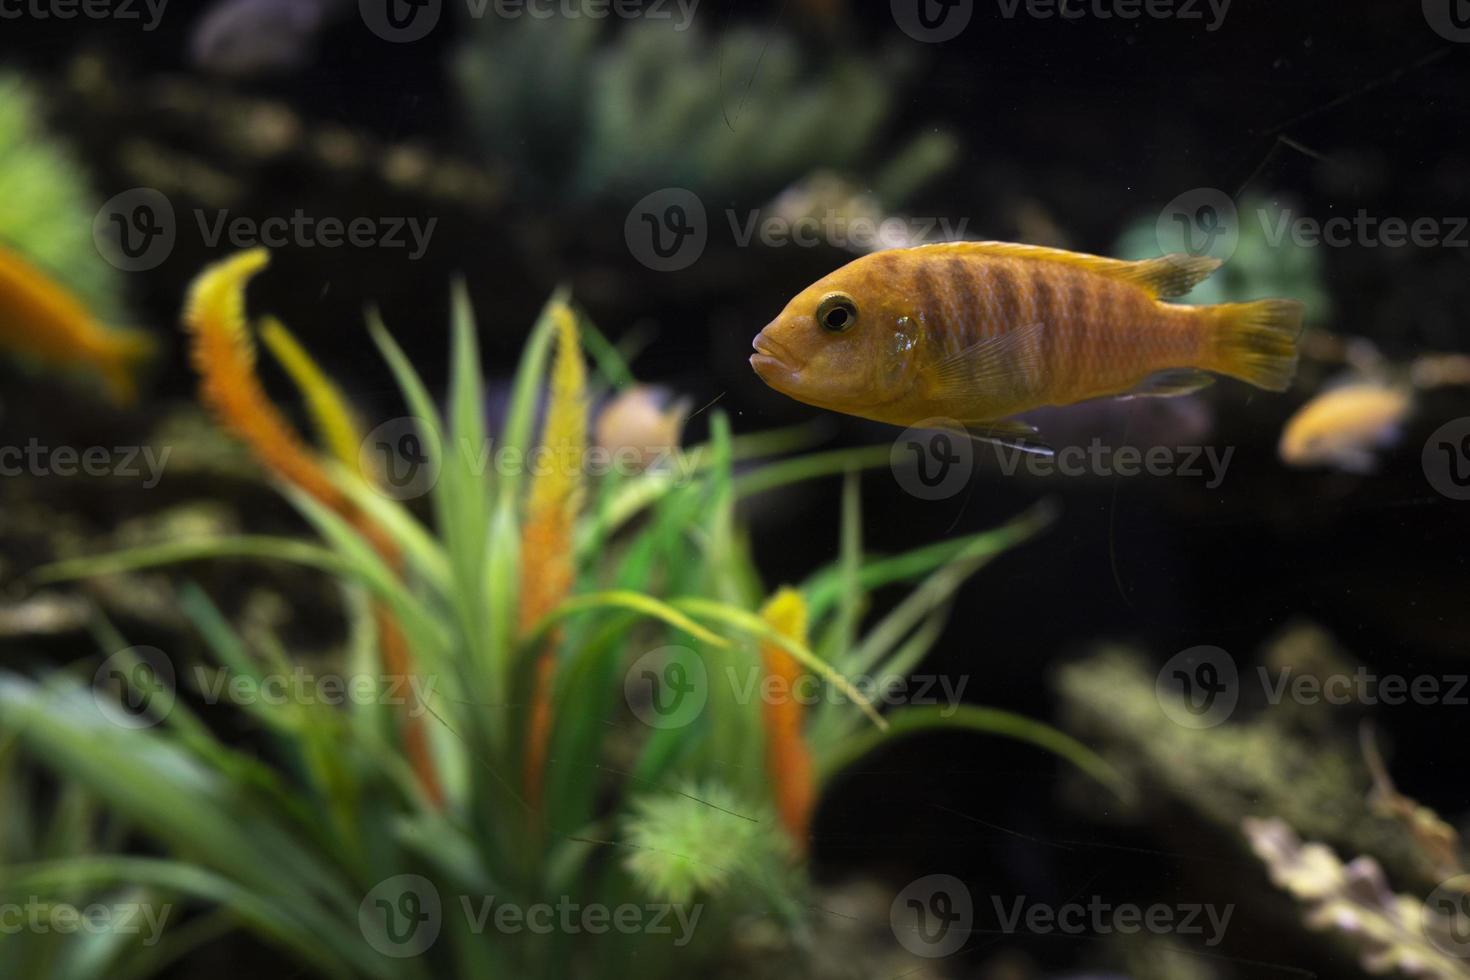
(1008, 296)
(1078, 307)
(1046, 315)
(962, 291)
(926, 291)
(1045, 300)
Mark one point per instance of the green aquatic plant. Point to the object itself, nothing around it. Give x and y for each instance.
(335, 837)
(65, 828)
(581, 112)
(49, 203)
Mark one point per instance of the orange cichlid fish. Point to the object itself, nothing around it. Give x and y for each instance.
(980, 331)
(42, 321)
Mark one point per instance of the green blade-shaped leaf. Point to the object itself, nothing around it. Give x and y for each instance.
(810, 467)
(910, 721)
(178, 552)
(637, 602)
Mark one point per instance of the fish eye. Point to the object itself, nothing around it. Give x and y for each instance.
(837, 312)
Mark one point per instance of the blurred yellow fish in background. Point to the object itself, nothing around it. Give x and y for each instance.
(980, 331)
(1440, 370)
(1343, 425)
(43, 322)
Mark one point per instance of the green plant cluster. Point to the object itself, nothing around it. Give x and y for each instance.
(580, 114)
(290, 839)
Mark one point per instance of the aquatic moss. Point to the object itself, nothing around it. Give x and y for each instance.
(1267, 765)
(702, 841)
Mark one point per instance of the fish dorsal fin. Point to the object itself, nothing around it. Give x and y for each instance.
(1163, 277)
(1008, 363)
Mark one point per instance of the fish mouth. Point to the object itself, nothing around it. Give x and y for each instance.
(770, 358)
(765, 364)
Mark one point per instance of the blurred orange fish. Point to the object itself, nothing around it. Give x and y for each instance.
(42, 321)
(980, 331)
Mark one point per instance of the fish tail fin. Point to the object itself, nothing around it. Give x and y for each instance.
(128, 350)
(1255, 342)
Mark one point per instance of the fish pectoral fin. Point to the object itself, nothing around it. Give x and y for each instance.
(1011, 434)
(1355, 460)
(1007, 364)
(1170, 384)
(1168, 275)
